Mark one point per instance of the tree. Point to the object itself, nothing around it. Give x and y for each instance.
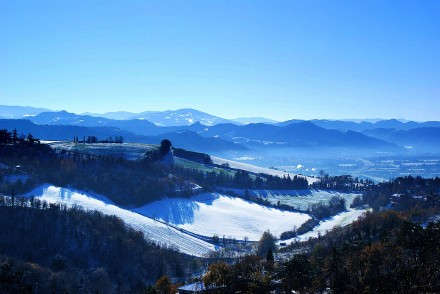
(269, 256)
(5, 137)
(266, 243)
(269, 260)
(297, 274)
(217, 275)
(14, 136)
(163, 285)
(100, 281)
(165, 146)
(30, 138)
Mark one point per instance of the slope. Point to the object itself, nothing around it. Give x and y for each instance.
(158, 232)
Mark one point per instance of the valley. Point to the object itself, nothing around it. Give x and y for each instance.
(206, 208)
(378, 166)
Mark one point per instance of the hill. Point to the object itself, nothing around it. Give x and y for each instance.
(189, 140)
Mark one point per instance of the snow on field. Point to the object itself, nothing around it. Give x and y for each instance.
(257, 169)
(339, 220)
(131, 151)
(153, 230)
(301, 199)
(213, 213)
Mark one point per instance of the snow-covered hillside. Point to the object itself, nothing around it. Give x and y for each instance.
(340, 220)
(300, 199)
(153, 230)
(256, 169)
(212, 213)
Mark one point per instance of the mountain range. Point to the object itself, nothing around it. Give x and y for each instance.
(179, 117)
(221, 137)
(300, 134)
(197, 130)
(188, 116)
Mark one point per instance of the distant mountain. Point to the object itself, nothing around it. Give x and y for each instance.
(423, 139)
(136, 126)
(183, 139)
(300, 134)
(19, 111)
(121, 115)
(180, 117)
(234, 135)
(288, 122)
(360, 126)
(254, 120)
(343, 125)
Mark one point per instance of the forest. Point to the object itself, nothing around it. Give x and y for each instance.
(48, 248)
(380, 253)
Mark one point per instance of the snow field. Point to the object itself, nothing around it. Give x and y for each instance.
(155, 231)
(213, 213)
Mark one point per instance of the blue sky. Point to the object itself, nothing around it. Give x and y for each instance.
(278, 59)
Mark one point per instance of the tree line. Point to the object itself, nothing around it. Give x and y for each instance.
(404, 193)
(94, 139)
(342, 183)
(13, 137)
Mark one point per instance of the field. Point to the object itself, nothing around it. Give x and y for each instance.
(300, 199)
(213, 213)
(129, 151)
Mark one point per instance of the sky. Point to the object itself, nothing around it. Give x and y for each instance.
(277, 59)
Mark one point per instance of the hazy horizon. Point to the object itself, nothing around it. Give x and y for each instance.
(218, 115)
